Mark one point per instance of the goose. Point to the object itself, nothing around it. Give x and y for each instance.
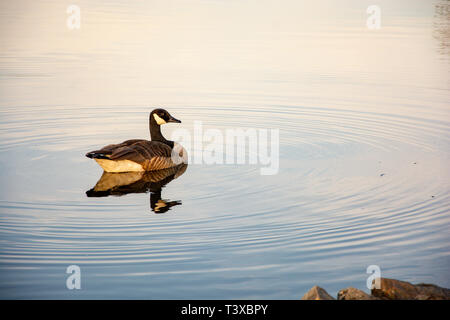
(137, 155)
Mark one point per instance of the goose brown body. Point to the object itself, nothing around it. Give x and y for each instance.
(142, 155)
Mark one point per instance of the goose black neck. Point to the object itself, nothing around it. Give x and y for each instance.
(155, 133)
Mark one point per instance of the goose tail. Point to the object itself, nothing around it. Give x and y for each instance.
(96, 155)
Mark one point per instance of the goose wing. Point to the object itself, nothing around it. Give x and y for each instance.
(107, 151)
(141, 151)
(150, 155)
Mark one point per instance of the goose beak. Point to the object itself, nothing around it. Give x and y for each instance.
(172, 119)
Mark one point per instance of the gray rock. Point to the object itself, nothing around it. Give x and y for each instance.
(353, 294)
(317, 293)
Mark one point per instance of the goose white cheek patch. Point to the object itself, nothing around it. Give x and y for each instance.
(158, 119)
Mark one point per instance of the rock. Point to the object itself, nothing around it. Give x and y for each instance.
(317, 293)
(432, 292)
(391, 289)
(353, 294)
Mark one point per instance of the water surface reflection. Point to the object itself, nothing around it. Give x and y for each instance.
(119, 184)
(364, 124)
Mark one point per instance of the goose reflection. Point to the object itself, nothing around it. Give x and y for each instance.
(119, 184)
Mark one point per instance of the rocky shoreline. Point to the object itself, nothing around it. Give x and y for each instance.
(390, 289)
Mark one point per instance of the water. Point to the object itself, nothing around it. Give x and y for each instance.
(364, 147)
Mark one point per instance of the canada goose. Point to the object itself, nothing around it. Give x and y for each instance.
(142, 155)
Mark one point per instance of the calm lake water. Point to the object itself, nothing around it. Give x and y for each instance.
(364, 147)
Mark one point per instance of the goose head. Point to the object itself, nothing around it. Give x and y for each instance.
(161, 116)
